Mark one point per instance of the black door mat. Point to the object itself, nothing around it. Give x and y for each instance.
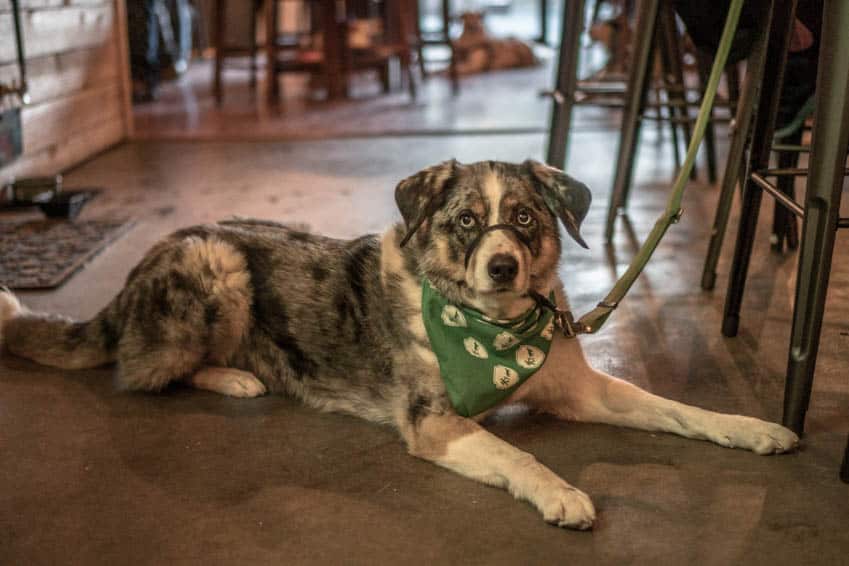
(42, 254)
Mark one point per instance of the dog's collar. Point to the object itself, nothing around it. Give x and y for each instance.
(483, 361)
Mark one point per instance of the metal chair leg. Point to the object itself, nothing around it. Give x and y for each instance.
(639, 78)
(543, 22)
(703, 63)
(668, 89)
(784, 226)
(671, 51)
(822, 206)
(565, 83)
(736, 154)
(780, 24)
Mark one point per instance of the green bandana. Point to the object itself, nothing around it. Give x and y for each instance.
(483, 361)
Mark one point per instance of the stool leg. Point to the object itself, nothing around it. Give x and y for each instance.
(254, 47)
(639, 78)
(822, 206)
(543, 22)
(732, 78)
(670, 46)
(671, 116)
(220, 11)
(784, 221)
(703, 63)
(736, 154)
(452, 69)
(667, 89)
(416, 15)
(844, 469)
(780, 24)
(565, 82)
(446, 36)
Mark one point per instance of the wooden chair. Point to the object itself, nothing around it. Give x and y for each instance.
(234, 35)
(398, 40)
(301, 53)
(333, 58)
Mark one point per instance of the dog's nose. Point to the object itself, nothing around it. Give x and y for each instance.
(503, 268)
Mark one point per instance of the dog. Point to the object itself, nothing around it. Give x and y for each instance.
(478, 52)
(249, 307)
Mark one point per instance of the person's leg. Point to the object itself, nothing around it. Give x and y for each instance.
(143, 32)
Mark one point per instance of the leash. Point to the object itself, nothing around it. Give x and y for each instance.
(592, 322)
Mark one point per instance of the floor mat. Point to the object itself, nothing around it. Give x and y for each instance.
(42, 254)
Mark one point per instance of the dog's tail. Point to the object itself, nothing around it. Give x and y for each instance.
(58, 341)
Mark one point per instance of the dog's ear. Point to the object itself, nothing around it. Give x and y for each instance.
(567, 198)
(420, 195)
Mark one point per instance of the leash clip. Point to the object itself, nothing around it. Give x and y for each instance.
(563, 319)
(566, 322)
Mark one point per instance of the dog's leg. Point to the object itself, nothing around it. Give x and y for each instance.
(463, 446)
(582, 393)
(227, 381)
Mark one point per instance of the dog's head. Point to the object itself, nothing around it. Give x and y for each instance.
(485, 234)
(472, 23)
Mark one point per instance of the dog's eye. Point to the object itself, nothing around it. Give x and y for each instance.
(524, 217)
(467, 219)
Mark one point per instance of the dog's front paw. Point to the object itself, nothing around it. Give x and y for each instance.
(244, 385)
(771, 438)
(759, 436)
(566, 506)
(228, 381)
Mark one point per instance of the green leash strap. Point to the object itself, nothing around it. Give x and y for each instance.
(595, 319)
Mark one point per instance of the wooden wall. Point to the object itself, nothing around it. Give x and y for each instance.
(76, 67)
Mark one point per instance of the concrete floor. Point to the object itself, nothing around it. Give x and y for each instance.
(89, 475)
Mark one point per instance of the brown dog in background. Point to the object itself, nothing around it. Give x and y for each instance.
(478, 52)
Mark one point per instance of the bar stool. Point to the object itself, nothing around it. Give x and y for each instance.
(398, 40)
(762, 86)
(656, 29)
(820, 212)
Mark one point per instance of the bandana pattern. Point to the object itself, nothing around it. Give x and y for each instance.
(483, 361)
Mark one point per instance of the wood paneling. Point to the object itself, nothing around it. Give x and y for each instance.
(66, 153)
(76, 76)
(57, 75)
(6, 5)
(54, 30)
(70, 116)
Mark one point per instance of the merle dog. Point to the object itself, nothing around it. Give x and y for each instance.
(247, 307)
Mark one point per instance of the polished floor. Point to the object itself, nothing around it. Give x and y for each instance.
(92, 476)
(506, 101)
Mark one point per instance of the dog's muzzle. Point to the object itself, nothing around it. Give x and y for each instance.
(476, 242)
